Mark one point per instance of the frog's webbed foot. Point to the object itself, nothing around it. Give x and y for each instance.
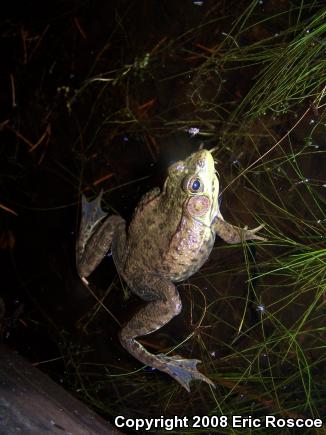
(182, 370)
(232, 234)
(95, 236)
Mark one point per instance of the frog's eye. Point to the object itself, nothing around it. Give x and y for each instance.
(193, 184)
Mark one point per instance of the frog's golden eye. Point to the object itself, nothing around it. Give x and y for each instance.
(193, 184)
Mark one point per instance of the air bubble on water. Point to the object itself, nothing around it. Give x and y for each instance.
(305, 180)
(193, 131)
(261, 308)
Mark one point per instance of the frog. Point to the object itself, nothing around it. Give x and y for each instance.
(169, 238)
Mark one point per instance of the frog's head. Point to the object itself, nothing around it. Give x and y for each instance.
(194, 186)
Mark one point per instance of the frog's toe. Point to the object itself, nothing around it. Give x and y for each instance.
(183, 370)
(251, 234)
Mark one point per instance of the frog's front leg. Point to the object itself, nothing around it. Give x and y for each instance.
(232, 234)
(95, 235)
(165, 303)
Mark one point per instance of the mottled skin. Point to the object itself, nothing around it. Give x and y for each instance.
(170, 237)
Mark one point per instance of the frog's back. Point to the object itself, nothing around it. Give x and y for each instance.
(166, 242)
(170, 233)
(188, 250)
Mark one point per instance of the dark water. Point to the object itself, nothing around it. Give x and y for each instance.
(62, 134)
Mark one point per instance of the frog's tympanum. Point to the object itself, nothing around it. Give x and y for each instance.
(169, 238)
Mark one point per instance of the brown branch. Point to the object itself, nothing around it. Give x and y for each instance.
(9, 210)
(79, 27)
(13, 91)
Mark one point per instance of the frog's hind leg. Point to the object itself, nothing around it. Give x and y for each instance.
(95, 235)
(165, 303)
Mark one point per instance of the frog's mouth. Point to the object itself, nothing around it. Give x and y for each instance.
(198, 205)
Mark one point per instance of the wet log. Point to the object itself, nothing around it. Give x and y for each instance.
(31, 403)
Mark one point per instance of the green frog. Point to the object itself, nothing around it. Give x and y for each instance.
(170, 237)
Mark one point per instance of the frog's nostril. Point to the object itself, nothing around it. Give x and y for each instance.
(201, 163)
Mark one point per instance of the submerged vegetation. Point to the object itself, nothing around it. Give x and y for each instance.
(248, 77)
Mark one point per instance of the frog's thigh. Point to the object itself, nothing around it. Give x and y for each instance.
(158, 312)
(98, 245)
